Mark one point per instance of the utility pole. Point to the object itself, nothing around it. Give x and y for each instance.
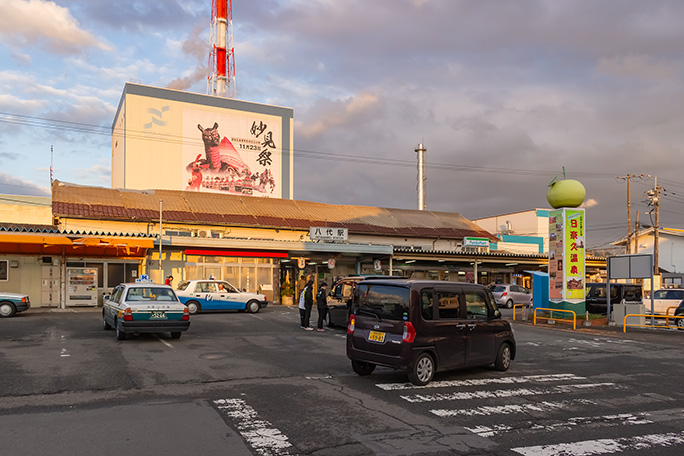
(629, 178)
(654, 200)
(636, 234)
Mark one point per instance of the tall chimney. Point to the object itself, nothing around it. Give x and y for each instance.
(420, 150)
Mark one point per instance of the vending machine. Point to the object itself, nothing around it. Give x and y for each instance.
(81, 287)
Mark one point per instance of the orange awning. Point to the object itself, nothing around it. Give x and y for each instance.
(42, 244)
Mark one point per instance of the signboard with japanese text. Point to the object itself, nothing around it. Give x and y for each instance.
(324, 233)
(566, 255)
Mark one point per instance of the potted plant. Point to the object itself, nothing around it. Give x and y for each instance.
(287, 294)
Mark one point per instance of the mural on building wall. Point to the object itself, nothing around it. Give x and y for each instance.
(239, 154)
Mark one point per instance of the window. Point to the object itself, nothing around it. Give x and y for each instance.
(183, 285)
(150, 294)
(4, 269)
(383, 301)
(227, 287)
(515, 288)
(205, 287)
(675, 294)
(116, 295)
(449, 304)
(426, 306)
(476, 305)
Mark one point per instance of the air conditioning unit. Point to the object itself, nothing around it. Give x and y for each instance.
(203, 233)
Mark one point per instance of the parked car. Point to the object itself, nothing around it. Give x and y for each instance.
(203, 295)
(425, 326)
(596, 301)
(509, 294)
(679, 312)
(663, 299)
(11, 303)
(135, 308)
(340, 297)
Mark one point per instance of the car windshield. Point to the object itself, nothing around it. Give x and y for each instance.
(383, 301)
(147, 294)
(183, 285)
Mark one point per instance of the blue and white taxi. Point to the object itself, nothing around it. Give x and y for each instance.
(200, 295)
(135, 308)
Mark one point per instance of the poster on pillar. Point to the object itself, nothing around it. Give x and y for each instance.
(566, 255)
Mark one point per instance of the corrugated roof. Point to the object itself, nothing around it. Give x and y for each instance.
(50, 229)
(69, 200)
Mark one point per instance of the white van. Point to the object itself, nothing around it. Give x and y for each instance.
(663, 299)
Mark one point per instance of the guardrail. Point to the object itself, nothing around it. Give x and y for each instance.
(574, 316)
(667, 314)
(667, 321)
(523, 310)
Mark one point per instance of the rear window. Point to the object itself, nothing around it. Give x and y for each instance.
(385, 302)
(498, 289)
(150, 294)
(183, 285)
(596, 291)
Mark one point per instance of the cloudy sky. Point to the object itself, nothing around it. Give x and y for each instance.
(503, 94)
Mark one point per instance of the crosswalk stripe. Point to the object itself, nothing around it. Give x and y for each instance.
(465, 395)
(259, 434)
(604, 446)
(624, 419)
(481, 382)
(512, 408)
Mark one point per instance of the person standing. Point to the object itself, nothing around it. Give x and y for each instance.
(322, 305)
(308, 304)
(168, 280)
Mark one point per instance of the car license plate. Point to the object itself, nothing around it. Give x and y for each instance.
(157, 315)
(376, 336)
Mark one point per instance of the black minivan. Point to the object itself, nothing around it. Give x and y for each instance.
(425, 326)
(597, 303)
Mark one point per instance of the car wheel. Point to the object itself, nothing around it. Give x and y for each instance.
(253, 307)
(105, 325)
(362, 368)
(503, 358)
(423, 370)
(193, 307)
(509, 304)
(120, 335)
(7, 309)
(679, 321)
(175, 335)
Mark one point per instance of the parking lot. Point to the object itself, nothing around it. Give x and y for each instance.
(240, 383)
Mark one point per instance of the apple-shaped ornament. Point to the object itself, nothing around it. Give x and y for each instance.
(565, 193)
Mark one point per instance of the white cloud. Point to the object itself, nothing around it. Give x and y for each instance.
(31, 22)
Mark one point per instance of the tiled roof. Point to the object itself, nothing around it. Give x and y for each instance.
(76, 201)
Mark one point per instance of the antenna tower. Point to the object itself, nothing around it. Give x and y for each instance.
(221, 79)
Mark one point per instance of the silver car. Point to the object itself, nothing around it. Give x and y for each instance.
(508, 295)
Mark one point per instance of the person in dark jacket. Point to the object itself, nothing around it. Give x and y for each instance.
(308, 304)
(322, 305)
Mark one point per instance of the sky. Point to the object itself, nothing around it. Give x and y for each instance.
(503, 95)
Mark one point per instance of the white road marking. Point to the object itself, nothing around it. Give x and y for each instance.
(256, 316)
(481, 381)
(512, 408)
(604, 446)
(259, 434)
(64, 353)
(560, 389)
(163, 341)
(626, 419)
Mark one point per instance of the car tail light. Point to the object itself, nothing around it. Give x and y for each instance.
(409, 332)
(24, 299)
(186, 314)
(504, 294)
(352, 323)
(128, 315)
